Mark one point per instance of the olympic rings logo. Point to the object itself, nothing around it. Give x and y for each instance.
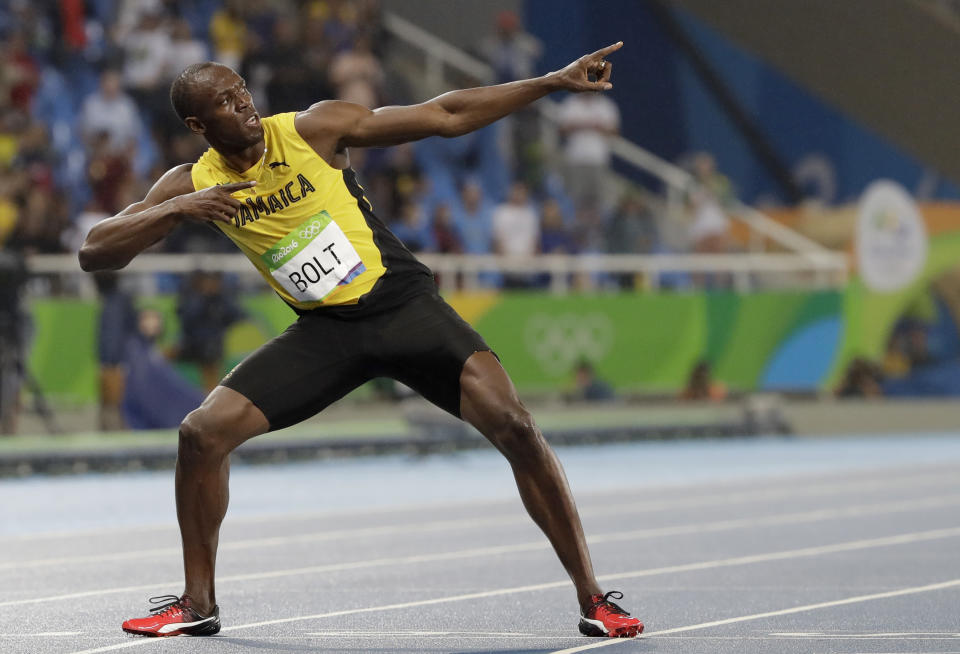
(311, 230)
(558, 342)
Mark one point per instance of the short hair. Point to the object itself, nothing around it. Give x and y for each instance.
(182, 95)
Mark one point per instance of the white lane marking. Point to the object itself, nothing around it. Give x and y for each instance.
(953, 583)
(880, 635)
(437, 525)
(43, 634)
(847, 546)
(540, 544)
(813, 487)
(377, 635)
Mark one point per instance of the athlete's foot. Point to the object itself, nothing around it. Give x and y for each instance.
(173, 616)
(604, 618)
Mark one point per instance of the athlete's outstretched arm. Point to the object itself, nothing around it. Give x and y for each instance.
(113, 242)
(331, 126)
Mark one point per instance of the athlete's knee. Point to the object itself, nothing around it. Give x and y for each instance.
(202, 436)
(517, 436)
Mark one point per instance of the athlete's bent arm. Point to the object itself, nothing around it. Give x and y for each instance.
(114, 242)
(331, 126)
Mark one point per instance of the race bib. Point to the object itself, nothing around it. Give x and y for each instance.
(313, 259)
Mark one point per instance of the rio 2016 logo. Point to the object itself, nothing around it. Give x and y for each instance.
(891, 244)
(284, 251)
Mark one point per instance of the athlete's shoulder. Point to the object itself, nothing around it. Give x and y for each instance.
(176, 181)
(328, 115)
(178, 178)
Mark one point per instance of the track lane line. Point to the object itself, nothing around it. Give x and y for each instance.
(387, 530)
(540, 544)
(913, 590)
(702, 495)
(847, 546)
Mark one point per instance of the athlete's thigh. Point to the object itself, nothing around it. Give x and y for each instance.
(315, 362)
(425, 345)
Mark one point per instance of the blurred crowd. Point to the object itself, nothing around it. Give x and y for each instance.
(86, 127)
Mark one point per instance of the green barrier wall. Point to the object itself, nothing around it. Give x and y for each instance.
(638, 342)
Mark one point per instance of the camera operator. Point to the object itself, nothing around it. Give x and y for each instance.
(13, 275)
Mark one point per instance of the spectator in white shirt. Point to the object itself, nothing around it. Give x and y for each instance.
(112, 112)
(588, 120)
(185, 50)
(516, 231)
(146, 50)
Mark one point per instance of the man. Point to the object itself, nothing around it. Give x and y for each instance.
(282, 190)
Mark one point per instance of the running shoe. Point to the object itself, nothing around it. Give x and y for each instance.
(173, 616)
(604, 618)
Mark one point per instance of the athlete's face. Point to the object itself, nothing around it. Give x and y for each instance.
(228, 116)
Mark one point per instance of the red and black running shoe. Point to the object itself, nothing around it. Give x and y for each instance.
(174, 616)
(604, 618)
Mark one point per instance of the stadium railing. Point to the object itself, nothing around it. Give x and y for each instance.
(560, 273)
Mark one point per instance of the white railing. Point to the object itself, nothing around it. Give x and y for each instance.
(679, 182)
(564, 273)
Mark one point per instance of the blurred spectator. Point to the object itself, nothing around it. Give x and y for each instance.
(35, 156)
(112, 112)
(13, 275)
(108, 171)
(117, 324)
(861, 379)
(588, 386)
(512, 52)
(146, 51)
(516, 227)
(9, 211)
(43, 218)
(701, 385)
(473, 220)
(357, 75)
(709, 230)
(590, 230)
(11, 122)
(184, 50)
(633, 227)
(396, 181)
(445, 238)
(588, 120)
(516, 232)
(412, 228)
(228, 31)
(339, 20)
(554, 236)
(205, 311)
(19, 73)
(294, 81)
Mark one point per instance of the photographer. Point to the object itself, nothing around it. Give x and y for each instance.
(13, 275)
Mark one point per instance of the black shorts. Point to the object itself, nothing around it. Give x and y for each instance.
(422, 343)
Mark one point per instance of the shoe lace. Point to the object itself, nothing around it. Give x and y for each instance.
(163, 603)
(613, 607)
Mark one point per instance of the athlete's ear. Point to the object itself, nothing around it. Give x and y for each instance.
(194, 124)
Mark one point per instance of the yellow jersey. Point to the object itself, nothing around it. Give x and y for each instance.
(309, 229)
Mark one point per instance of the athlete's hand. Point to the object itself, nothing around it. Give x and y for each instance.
(575, 77)
(214, 203)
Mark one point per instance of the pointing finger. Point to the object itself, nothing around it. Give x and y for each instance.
(238, 186)
(603, 52)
